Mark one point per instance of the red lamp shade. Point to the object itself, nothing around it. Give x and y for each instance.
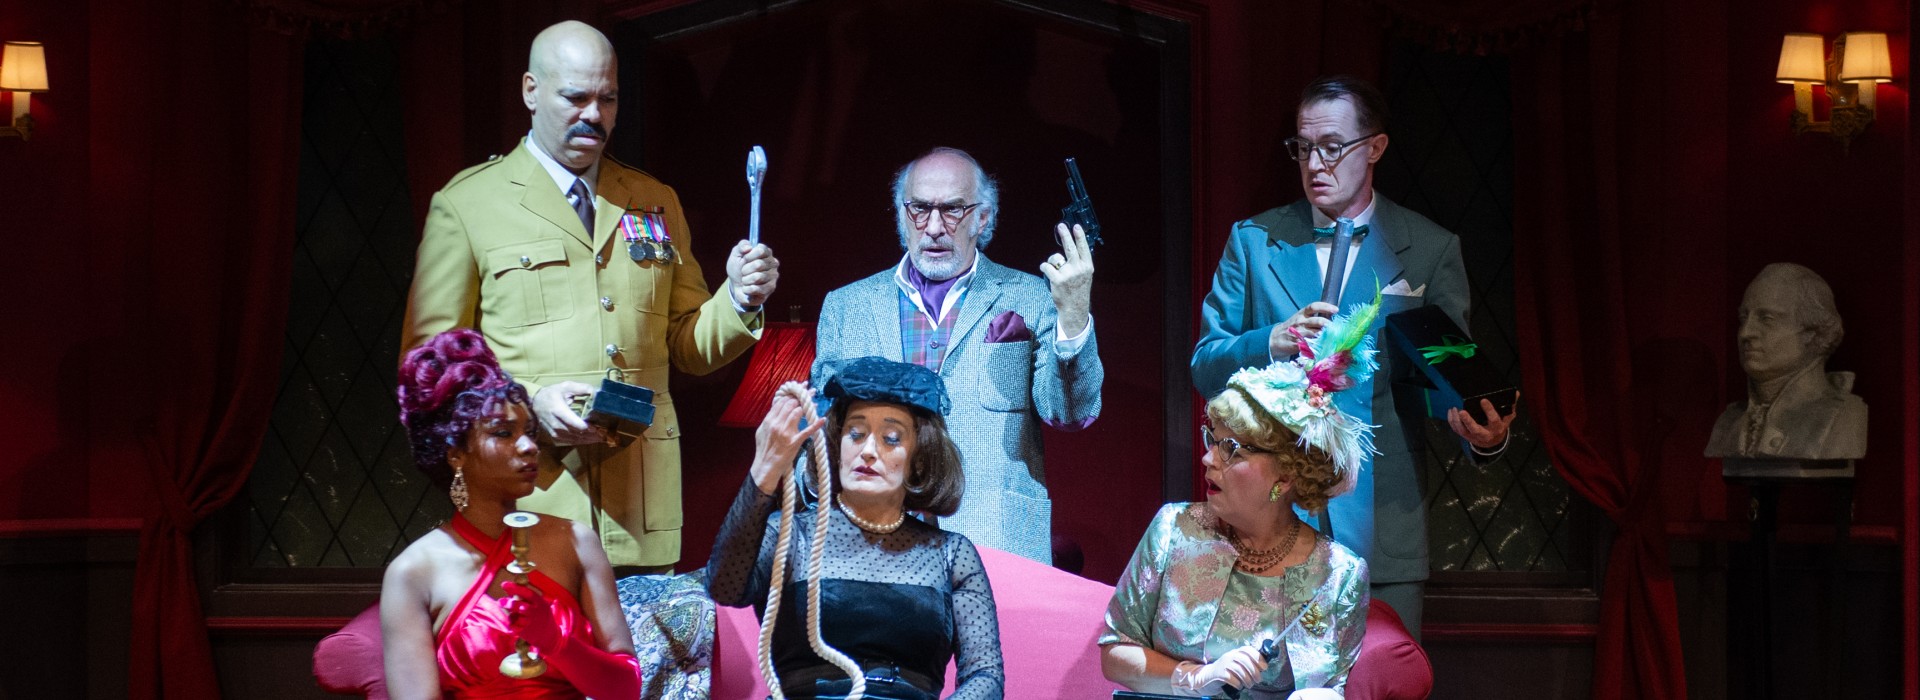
(784, 354)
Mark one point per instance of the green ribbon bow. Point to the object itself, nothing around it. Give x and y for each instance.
(1454, 346)
(1328, 232)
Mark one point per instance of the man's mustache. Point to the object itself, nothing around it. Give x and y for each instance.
(586, 129)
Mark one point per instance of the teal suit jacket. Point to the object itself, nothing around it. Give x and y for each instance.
(1268, 272)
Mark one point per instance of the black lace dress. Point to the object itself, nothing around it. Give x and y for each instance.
(900, 604)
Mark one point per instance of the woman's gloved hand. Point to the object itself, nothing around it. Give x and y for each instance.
(1239, 668)
(531, 618)
(596, 672)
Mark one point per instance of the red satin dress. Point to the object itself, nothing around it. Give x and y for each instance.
(476, 636)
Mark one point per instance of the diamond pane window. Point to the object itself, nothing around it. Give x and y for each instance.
(1451, 159)
(335, 484)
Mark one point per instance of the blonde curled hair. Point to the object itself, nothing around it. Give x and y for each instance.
(1313, 472)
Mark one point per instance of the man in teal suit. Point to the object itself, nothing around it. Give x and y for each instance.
(1268, 296)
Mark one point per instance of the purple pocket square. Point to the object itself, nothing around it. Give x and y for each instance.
(1008, 327)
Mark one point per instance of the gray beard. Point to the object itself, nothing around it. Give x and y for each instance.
(938, 272)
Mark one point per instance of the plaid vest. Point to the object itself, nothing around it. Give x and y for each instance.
(922, 342)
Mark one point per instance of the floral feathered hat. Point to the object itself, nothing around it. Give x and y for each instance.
(1299, 392)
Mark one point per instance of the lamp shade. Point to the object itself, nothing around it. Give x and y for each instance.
(23, 67)
(1803, 59)
(1866, 58)
(784, 354)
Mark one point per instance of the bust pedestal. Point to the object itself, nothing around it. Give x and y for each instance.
(1764, 477)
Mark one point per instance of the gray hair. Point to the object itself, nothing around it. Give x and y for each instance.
(1813, 303)
(984, 186)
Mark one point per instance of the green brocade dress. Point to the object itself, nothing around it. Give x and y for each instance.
(1181, 596)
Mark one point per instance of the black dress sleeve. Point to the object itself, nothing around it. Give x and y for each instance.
(979, 673)
(742, 558)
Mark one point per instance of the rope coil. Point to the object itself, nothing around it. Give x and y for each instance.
(790, 502)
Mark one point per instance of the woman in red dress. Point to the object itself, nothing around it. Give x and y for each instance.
(449, 612)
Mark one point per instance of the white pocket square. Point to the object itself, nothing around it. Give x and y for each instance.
(1399, 288)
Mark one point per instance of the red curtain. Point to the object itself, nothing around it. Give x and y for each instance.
(1484, 26)
(1578, 199)
(195, 140)
(460, 83)
(1598, 350)
(196, 128)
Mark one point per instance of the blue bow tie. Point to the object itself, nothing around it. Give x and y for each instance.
(1327, 232)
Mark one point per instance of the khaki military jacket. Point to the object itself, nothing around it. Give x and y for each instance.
(504, 253)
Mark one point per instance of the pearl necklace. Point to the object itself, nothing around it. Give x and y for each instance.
(868, 525)
(1254, 561)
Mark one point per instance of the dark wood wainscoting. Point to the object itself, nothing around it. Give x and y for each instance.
(69, 585)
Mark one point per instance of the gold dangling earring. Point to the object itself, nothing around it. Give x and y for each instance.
(458, 492)
(1274, 495)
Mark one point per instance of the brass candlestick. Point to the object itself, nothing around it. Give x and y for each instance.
(524, 664)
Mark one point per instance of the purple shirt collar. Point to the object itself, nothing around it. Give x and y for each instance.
(932, 292)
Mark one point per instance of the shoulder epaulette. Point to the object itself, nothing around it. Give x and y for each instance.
(608, 157)
(491, 161)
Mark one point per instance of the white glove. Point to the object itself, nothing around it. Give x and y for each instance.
(1240, 668)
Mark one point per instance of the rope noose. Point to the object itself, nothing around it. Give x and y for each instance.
(789, 502)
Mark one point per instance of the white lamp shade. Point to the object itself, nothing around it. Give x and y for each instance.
(1866, 58)
(1803, 58)
(23, 67)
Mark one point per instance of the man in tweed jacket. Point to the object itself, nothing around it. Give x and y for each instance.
(1015, 351)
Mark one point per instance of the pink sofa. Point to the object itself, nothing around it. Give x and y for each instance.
(1049, 620)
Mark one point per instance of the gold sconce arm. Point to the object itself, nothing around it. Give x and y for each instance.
(1850, 76)
(22, 127)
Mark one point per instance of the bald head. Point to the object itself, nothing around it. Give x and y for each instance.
(567, 42)
(572, 88)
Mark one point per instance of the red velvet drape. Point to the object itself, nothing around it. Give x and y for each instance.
(1577, 198)
(195, 142)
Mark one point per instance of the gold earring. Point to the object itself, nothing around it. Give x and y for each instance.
(458, 492)
(1274, 495)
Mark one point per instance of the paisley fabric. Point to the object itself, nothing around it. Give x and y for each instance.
(673, 626)
(1181, 596)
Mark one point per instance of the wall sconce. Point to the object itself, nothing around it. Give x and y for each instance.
(23, 70)
(1859, 62)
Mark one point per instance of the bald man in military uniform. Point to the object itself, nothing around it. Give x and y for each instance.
(574, 266)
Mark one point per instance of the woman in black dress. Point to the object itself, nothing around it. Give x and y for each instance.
(898, 596)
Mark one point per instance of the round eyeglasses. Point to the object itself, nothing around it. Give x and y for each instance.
(1234, 447)
(951, 214)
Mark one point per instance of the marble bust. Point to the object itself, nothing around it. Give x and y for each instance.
(1795, 408)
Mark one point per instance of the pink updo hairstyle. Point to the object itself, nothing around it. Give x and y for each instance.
(445, 386)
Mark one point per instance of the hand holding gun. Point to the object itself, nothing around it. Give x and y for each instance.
(1080, 210)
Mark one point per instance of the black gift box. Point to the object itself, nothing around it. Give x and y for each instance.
(619, 407)
(1454, 380)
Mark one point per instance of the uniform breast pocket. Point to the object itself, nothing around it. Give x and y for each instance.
(1008, 381)
(648, 287)
(526, 284)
